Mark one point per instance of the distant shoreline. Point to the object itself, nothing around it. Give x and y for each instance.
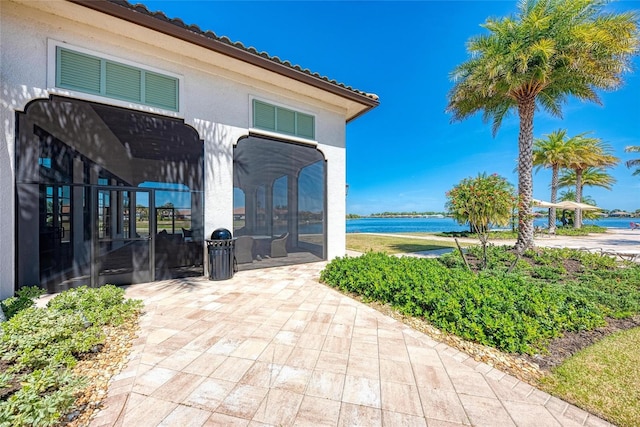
(402, 216)
(392, 225)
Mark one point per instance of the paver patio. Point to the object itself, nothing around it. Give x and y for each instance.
(275, 347)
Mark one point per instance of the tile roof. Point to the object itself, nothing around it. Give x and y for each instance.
(224, 45)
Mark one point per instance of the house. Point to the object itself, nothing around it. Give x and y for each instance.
(108, 108)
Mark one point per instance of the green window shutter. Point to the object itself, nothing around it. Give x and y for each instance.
(305, 126)
(286, 121)
(91, 74)
(78, 71)
(264, 115)
(161, 91)
(123, 82)
(283, 120)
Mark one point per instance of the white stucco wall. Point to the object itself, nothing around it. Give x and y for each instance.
(215, 101)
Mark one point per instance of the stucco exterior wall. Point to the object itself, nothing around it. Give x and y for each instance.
(215, 101)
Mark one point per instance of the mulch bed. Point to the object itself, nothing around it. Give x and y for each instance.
(98, 368)
(572, 342)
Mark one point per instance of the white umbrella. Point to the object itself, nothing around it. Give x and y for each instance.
(575, 205)
(542, 204)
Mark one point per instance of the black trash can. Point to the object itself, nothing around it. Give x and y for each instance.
(221, 249)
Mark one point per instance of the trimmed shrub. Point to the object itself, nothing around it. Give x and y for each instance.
(511, 312)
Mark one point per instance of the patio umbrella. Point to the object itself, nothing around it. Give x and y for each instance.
(542, 204)
(575, 205)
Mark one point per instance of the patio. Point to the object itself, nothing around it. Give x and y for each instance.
(275, 347)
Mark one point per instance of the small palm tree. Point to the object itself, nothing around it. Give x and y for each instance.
(633, 163)
(588, 153)
(550, 50)
(553, 152)
(591, 177)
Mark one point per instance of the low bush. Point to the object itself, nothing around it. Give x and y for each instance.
(24, 299)
(511, 312)
(613, 285)
(582, 231)
(617, 291)
(36, 338)
(100, 306)
(39, 346)
(44, 396)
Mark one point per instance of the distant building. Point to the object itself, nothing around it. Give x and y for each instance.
(620, 214)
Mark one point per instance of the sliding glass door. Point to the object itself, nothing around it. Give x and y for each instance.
(124, 235)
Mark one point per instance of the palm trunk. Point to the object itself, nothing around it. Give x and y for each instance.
(554, 198)
(577, 218)
(526, 109)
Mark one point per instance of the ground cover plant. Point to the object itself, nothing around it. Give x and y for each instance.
(24, 299)
(549, 292)
(583, 231)
(40, 346)
(500, 310)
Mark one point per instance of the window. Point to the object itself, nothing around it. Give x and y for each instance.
(283, 120)
(98, 76)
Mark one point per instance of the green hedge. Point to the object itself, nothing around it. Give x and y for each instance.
(582, 231)
(511, 312)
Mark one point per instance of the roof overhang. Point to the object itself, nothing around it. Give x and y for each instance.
(125, 11)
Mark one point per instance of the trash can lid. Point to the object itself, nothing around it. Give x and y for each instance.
(221, 234)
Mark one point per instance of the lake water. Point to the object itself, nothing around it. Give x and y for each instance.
(435, 225)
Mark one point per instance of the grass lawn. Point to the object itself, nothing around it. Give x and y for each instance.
(393, 245)
(603, 378)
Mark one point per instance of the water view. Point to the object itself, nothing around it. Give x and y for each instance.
(436, 225)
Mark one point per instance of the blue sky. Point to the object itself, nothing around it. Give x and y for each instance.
(405, 154)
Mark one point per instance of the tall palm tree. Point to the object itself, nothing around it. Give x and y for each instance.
(633, 163)
(552, 152)
(588, 153)
(549, 50)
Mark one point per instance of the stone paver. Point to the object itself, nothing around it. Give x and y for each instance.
(276, 348)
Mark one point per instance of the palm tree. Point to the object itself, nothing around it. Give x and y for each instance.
(552, 152)
(633, 162)
(588, 153)
(591, 177)
(551, 49)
